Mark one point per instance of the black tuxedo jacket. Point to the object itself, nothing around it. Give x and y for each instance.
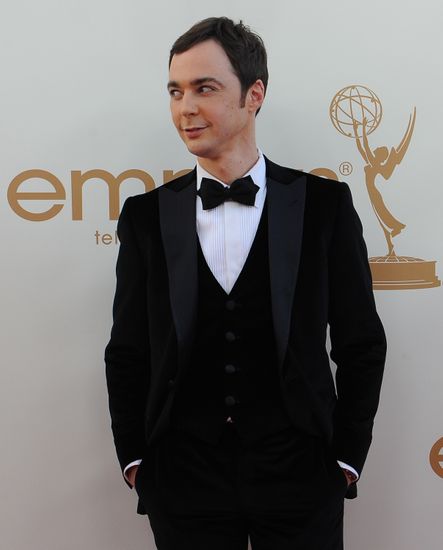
(319, 276)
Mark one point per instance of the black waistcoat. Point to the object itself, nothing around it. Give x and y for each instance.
(233, 370)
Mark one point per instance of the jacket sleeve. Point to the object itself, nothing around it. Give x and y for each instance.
(358, 343)
(127, 353)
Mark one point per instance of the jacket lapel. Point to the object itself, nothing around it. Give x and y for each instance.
(286, 191)
(177, 212)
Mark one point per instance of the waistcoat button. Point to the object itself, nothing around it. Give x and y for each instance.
(230, 336)
(230, 369)
(230, 401)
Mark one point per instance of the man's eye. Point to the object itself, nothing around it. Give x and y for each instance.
(174, 93)
(205, 89)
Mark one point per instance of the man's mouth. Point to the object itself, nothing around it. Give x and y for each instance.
(194, 131)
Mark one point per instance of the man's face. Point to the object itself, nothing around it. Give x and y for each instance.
(205, 102)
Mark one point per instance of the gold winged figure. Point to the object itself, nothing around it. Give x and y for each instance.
(382, 162)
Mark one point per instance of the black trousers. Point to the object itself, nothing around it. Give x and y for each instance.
(284, 492)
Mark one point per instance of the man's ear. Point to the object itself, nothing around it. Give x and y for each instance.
(255, 96)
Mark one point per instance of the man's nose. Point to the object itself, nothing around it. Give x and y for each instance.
(189, 104)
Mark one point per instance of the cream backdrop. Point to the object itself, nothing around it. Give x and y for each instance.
(82, 88)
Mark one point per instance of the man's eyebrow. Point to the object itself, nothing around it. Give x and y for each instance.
(172, 84)
(204, 80)
(196, 82)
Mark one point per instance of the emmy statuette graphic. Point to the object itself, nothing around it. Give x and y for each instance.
(356, 112)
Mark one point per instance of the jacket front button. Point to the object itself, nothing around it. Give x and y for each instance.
(171, 383)
(230, 336)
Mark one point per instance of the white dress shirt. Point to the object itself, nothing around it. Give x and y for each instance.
(226, 234)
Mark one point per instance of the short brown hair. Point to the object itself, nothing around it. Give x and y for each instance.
(244, 48)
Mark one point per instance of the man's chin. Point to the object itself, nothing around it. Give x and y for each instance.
(198, 150)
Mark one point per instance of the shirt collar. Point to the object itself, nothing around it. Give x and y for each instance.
(257, 173)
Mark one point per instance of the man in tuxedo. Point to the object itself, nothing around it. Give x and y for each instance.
(224, 410)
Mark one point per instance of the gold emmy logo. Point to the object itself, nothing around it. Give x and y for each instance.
(356, 112)
(436, 457)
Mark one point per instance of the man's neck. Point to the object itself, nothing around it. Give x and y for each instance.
(230, 167)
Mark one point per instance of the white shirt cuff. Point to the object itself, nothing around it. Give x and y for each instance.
(130, 465)
(347, 467)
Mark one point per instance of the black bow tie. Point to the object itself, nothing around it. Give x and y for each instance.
(213, 193)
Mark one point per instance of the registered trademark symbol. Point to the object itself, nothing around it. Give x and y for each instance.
(436, 457)
(346, 168)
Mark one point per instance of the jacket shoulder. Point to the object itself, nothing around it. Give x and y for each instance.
(148, 202)
(326, 187)
(315, 184)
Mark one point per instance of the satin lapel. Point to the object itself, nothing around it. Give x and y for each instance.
(178, 229)
(286, 203)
